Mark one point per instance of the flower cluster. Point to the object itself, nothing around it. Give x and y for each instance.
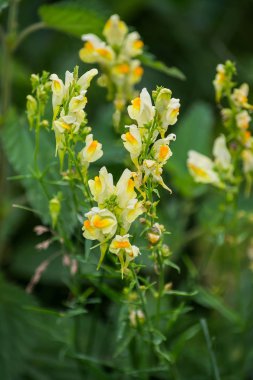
(235, 148)
(117, 208)
(36, 103)
(215, 172)
(117, 60)
(69, 121)
(148, 152)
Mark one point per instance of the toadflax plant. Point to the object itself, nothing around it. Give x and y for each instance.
(116, 58)
(106, 211)
(231, 168)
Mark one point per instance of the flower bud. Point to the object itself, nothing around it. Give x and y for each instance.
(35, 79)
(31, 106)
(165, 250)
(136, 317)
(162, 100)
(155, 233)
(54, 209)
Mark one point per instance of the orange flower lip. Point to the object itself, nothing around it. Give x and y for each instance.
(122, 244)
(164, 149)
(89, 46)
(136, 103)
(198, 171)
(66, 126)
(101, 223)
(138, 44)
(130, 138)
(87, 224)
(138, 71)
(92, 147)
(123, 68)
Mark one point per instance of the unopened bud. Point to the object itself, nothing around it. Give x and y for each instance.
(155, 233)
(165, 250)
(31, 107)
(136, 317)
(168, 286)
(44, 123)
(153, 238)
(162, 100)
(55, 208)
(35, 79)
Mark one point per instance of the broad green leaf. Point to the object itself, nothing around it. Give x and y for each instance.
(18, 143)
(19, 149)
(72, 18)
(150, 61)
(194, 132)
(15, 330)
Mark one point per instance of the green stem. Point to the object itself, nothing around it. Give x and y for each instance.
(7, 40)
(26, 32)
(161, 286)
(143, 303)
(210, 350)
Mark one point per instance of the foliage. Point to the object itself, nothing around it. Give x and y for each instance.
(183, 308)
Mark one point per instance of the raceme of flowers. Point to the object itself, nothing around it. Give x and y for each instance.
(118, 206)
(70, 124)
(215, 172)
(148, 152)
(117, 59)
(234, 157)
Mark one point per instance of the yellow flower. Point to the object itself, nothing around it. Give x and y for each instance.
(119, 243)
(77, 103)
(172, 111)
(126, 252)
(133, 45)
(92, 151)
(101, 224)
(219, 81)
(221, 153)
(102, 187)
(58, 90)
(95, 50)
(202, 168)
(243, 119)
(131, 212)
(125, 188)
(85, 79)
(153, 168)
(240, 95)
(136, 72)
(66, 124)
(115, 31)
(132, 142)
(247, 158)
(142, 109)
(161, 148)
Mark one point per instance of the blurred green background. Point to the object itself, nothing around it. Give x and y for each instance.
(194, 36)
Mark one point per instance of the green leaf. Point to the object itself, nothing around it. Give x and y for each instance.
(3, 4)
(149, 60)
(15, 330)
(194, 132)
(211, 301)
(19, 147)
(72, 18)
